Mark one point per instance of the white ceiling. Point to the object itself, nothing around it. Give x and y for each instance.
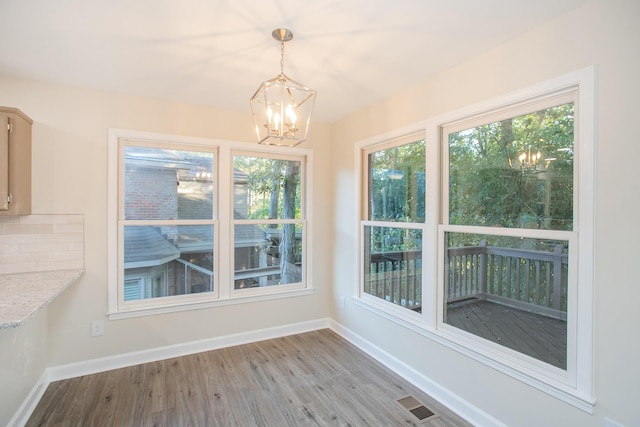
(216, 52)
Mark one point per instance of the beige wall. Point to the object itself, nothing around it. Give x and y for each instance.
(70, 176)
(602, 33)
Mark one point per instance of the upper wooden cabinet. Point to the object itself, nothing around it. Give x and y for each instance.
(15, 162)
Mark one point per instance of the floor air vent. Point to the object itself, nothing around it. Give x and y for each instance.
(420, 411)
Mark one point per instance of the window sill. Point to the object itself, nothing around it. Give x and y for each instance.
(519, 369)
(197, 305)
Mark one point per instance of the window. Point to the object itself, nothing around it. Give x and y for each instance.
(171, 208)
(166, 221)
(393, 221)
(268, 221)
(515, 287)
(508, 227)
(502, 222)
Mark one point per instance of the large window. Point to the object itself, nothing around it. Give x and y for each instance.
(171, 208)
(393, 221)
(508, 227)
(490, 246)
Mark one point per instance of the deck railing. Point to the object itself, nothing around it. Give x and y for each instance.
(526, 279)
(396, 277)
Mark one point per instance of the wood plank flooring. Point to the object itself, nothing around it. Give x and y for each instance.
(310, 379)
(532, 334)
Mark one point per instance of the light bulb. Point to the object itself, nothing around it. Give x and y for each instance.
(276, 121)
(291, 115)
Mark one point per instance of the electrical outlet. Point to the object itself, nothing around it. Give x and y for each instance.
(97, 328)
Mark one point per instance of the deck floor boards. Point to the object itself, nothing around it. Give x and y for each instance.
(310, 379)
(538, 336)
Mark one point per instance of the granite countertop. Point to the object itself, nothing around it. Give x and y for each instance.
(23, 294)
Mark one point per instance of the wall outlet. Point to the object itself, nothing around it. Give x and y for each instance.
(97, 328)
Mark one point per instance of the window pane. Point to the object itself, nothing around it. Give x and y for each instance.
(267, 254)
(393, 265)
(167, 184)
(167, 260)
(397, 183)
(511, 291)
(515, 173)
(266, 188)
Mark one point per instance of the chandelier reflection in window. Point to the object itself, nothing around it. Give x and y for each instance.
(532, 161)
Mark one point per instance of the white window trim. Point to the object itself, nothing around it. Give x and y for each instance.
(224, 294)
(363, 149)
(574, 386)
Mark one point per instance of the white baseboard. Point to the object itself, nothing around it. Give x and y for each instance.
(452, 401)
(87, 367)
(25, 410)
(93, 366)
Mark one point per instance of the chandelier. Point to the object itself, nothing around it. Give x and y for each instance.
(282, 107)
(533, 161)
(528, 161)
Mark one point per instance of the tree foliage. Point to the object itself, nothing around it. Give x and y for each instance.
(266, 186)
(397, 183)
(515, 173)
(397, 193)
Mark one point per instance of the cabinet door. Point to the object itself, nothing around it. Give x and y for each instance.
(4, 162)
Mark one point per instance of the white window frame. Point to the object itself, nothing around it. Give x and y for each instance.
(363, 150)
(575, 385)
(222, 222)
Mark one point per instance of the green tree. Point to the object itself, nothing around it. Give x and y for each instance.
(516, 172)
(397, 183)
(288, 239)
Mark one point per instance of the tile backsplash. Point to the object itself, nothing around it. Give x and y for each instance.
(41, 243)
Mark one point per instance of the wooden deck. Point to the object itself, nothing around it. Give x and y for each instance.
(541, 337)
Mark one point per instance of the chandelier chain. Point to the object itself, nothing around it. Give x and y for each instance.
(281, 57)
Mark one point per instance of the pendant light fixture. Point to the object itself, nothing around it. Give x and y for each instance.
(282, 107)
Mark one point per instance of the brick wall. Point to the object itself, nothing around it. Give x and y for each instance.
(150, 193)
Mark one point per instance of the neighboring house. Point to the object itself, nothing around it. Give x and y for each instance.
(177, 260)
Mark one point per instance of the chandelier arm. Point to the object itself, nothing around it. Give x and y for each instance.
(311, 96)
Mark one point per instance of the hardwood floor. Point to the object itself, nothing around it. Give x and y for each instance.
(532, 334)
(311, 379)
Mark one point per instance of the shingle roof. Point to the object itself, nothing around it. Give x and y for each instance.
(144, 246)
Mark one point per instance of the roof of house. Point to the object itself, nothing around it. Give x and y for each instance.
(145, 246)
